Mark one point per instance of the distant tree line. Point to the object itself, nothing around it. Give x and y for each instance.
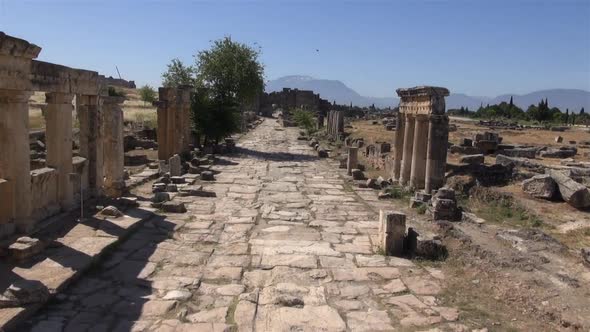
(540, 113)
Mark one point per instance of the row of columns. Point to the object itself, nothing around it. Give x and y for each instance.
(420, 150)
(101, 143)
(174, 121)
(335, 123)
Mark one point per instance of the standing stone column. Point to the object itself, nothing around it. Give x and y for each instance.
(418, 170)
(330, 116)
(58, 137)
(340, 124)
(185, 96)
(90, 143)
(162, 131)
(408, 150)
(113, 149)
(15, 160)
(436, 156)
(352, 160)
(175, 119)
(398, 145)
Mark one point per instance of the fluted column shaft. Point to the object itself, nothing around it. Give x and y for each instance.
(408, 150)
(418, 170)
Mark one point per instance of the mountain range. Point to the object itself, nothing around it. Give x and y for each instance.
(572, 99)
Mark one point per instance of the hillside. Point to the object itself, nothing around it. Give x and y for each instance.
(331, 90)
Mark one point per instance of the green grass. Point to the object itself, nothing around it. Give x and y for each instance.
(505, 211)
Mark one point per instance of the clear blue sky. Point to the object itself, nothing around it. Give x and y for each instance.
(474, 47)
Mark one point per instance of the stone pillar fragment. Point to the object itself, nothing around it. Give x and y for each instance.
(398, 145)
(58, 136)
(352, 160)
(89, 116)
(418, 169)
(392, 230)
(175, 165)
(436, 156)
(113, 150)
(408, 150)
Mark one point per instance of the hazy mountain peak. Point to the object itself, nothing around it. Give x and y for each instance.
(572, 99)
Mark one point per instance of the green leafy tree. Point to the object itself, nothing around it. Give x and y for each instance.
(230, 68)
(147, 94)
(213, 116)
(229, 75)
(177, 73)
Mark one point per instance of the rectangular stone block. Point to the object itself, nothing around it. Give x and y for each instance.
(175, 165)
(392, 230)
(44, 193)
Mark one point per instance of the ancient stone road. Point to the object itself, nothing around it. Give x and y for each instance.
(286, 245)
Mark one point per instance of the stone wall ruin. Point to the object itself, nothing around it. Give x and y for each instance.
(29, 196)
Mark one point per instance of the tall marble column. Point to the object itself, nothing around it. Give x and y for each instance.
(436, 156)
(58, 137)
(90, 143)
(15, 160)
(418, 169)
(408, 150)
(112, 135)
(398, 145)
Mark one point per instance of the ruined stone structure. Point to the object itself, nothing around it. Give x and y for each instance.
(28, 196)
(174, 121)
(421, 138)
(119, 82)
(335, 126)
(292, 98)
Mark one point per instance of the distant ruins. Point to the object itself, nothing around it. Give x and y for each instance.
(421, 137)
(29, 196)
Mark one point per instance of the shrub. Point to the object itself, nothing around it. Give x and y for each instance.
(304, 119)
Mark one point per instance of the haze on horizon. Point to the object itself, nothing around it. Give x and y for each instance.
(480, 49)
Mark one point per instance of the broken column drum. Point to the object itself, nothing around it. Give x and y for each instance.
(420, 147)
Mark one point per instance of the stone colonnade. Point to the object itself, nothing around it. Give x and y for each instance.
(29, 196)
(421, 137)
(174, 121)
(335, 124)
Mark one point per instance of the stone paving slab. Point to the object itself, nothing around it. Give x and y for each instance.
(66, 259)
(286, 245)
